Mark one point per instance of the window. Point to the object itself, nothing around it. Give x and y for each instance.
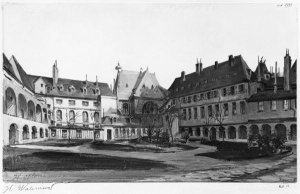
(95, 104)
(84, 90)
(260, 106)
(189, 99)
(234, 108)
(48, 89)
(72, 116)
(195, 113)
(64, 133)
(209, 108)
(243, 107)
(125, 108)
(202, 112)
(85, 103)
(59, 101)
(225, 107)
(190, 113)
(96, 91)
(273, 105)
(201, 96)
(195, 98)
(126, 85)
(71, 102)
(183, 100)
(217, 109)
(42, 85)
(184, 114)
(285, 104)
(71, 89)
(96, 117)
(232, 90)
(58, 115)
(215, 94)
(224, 92)
(78, 134)
(85, 117)
(208, 95)
(241, 88)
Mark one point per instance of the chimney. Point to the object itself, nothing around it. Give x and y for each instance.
(197, 66)
(183, 75)
(258, 71)
(216, 64)
(286, 71)
(275, 80)
(230, 60)
(96, 80)
(55, 73)
(200, 66)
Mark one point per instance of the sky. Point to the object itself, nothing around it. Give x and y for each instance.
(167, 38)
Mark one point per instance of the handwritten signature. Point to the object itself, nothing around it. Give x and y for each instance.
(28, 187)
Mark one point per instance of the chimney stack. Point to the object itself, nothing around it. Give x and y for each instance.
(201, 66)
(216, 64)
(55, 73)
(183, 75)
(275, 80)
(230, 60)
(198, 66)
(258, 71)
(286, 70)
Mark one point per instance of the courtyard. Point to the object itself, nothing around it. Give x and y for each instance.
(124, 162)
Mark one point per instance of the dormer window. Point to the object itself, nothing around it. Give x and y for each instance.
(71, 89)
(60, 87)
(84, 90)
(96, 91)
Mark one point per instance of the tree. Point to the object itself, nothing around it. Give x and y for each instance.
(151, 121)
(171, 113)
(218, 115)
(71, 122)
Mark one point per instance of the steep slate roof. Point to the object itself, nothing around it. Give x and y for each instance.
(263, 69)
(270, 95)
(8, 68)
(293, 73)
(78, 85)
(129, 81)
(211, 78)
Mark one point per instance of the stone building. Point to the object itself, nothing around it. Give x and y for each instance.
(41, 107)
(221, 101)
(139, 96)
(26, 116)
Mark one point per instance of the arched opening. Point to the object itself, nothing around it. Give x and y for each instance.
(85, 117)
(213, 134)
(39, 115)
(231, 132)
(254, 130)
(190, 131)
(222, 134)
(242, 132)
(31, 110)
(205, 132)
(41, 133)
(293, 132)
(266, 130)
(280, 131)
(13, 134)
(96, 117)
(22, 104)
(34, 132)
(198, 131)
(10, 102)
(45, 118)
(25, 132)
(46, 132)
(149, 108)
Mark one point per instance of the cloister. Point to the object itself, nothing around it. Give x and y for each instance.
(25, 118)
(241, 132)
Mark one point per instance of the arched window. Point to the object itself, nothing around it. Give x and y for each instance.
(254, 130)
(41, 133)
(39, 114)
(222, 133)
(11, 105)
(34, 132)
(125, 108)
(85, 117)
(58, 115)
(280, 131)
(231, 132)
(25, 132)
(242, 132)
(266, 130)
(149, 108)
(96, 117)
